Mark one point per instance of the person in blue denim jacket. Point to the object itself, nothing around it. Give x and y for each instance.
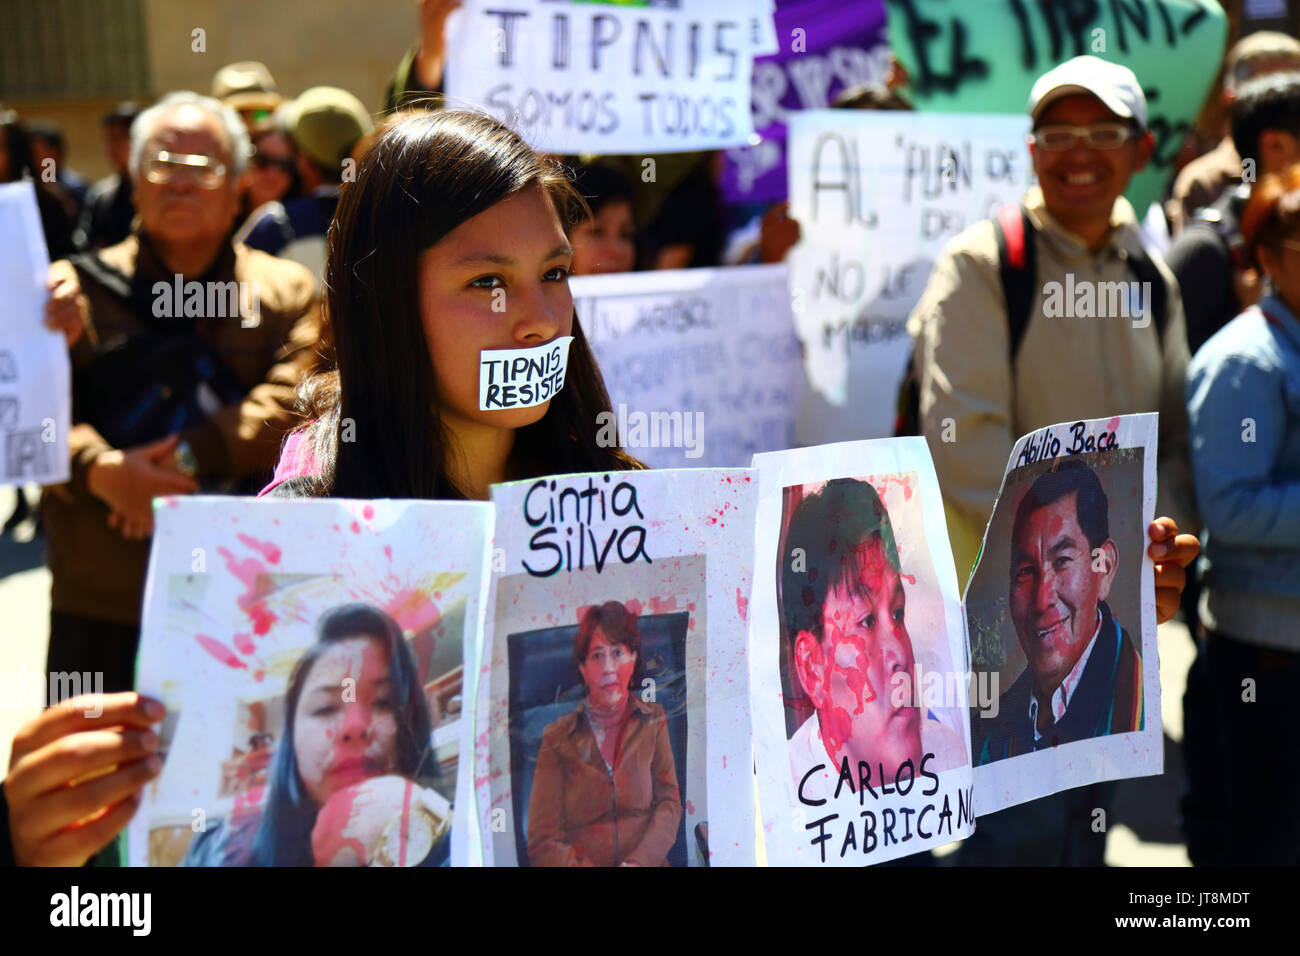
(1243, 399)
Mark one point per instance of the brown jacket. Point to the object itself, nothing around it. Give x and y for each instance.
(581, 814)
(96, 572)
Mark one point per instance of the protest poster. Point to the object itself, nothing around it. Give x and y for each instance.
(984, 58)
(583, 77)
(618, 609)
(317, 660)
(878, 196)
(825, 47)
(1061, 613)
(858, 658)
(35, 376)
(702, 365)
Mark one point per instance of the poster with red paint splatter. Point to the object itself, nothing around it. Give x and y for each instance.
(317, 662)
(1062, 619)
(613, 717)
(858, 658)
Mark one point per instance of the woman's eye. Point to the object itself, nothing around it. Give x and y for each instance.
(558, 274)
(488, 282)
(898, 616)
(327, 711)
(869, 621)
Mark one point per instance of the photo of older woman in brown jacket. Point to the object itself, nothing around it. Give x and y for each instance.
(605, 790)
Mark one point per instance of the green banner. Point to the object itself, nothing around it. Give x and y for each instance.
(982, 56)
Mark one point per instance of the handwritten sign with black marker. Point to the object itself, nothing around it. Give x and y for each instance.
(878, 195)
(600, 78)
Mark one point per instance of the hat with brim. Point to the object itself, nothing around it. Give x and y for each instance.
(1115, 86)
(253, 100)
(325, 123)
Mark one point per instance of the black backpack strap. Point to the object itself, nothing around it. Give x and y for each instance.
(1145, 270)
(115, 281)
(1017, 268)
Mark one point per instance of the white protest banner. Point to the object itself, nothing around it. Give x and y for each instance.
(614, 708)
(878, 195)
(522, 378)
(35, 376)
(582, 77)
(859, 683)
(317, 660)
(1063, 597)
(702, 365)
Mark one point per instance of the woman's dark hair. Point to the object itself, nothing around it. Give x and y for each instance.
(1273, 211)
(420, 180)
(618, 624)
(284, 834)
(600, 185)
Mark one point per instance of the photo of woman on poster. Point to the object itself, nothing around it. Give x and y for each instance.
(605, 791)
(350, 783)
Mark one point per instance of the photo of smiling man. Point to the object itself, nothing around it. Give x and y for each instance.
(851, 657)
(1083, 676)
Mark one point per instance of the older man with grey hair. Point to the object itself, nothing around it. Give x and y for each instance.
(186, 350)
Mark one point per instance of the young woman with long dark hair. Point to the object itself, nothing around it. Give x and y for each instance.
(452, 240)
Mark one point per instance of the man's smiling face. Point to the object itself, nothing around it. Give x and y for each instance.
(1081, 184)
(1055, 589)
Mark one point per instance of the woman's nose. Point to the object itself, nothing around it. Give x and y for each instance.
(356, 721)
(536, 319)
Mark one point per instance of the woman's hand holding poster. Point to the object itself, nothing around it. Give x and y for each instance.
(313, 658)
(345, 685)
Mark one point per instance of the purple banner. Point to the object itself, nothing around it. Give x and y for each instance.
(826, 46)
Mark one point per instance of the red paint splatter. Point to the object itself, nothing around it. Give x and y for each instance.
(388, 551)
(690, 807)
(243, 643)
(355, 527)
(413, 610)
(218, 650)
(257, 583)
(660, 605)
(909, 578)
(368, 512)
(633, 607)
(267, 549)
(742, 605)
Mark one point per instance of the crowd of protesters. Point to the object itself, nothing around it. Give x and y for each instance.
(328, 210)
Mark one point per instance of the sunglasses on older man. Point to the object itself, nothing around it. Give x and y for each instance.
(204, 171)
(1059, 136)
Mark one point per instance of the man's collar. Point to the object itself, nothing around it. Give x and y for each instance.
(1123, 226)
(149, 264)
(1065, 690)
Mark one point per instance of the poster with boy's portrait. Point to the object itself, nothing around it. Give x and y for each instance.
(614, 684)
(316, 659)
(1062, 619)
(860, 684)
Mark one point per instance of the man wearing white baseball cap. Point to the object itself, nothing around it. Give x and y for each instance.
(1000, 352)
